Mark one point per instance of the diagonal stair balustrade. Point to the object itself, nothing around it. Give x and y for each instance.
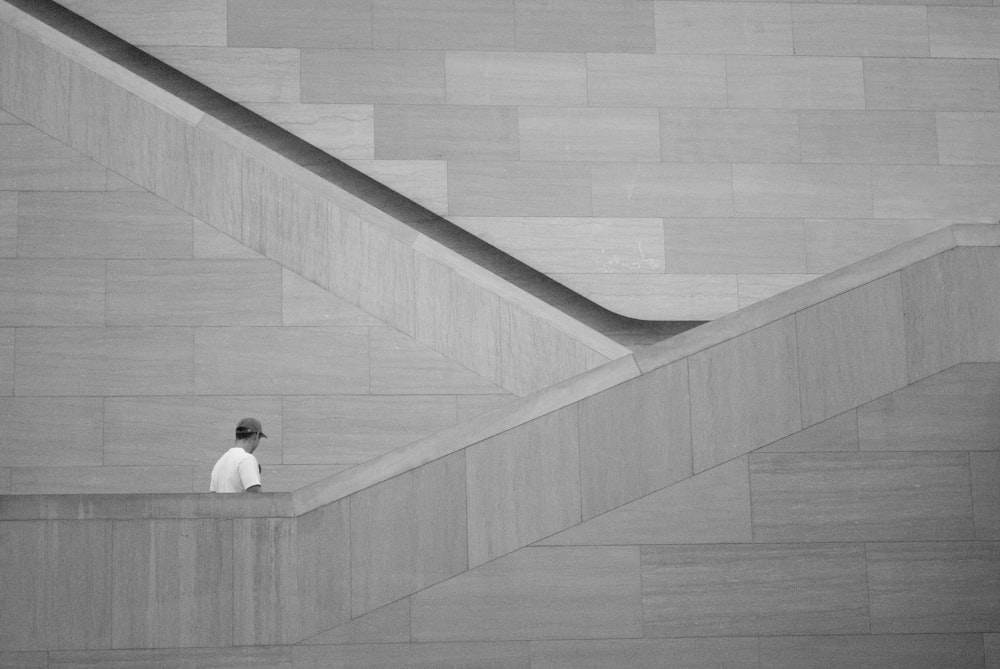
(237, 201)
(287, 567)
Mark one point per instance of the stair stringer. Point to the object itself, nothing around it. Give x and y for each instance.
(708, 558)
(933, 306)
(473, 501)
(289, 212)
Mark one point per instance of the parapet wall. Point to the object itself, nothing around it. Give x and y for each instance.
(672, 160)
(458, 508)
(289, 214)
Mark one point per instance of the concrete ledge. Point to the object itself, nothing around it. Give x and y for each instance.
(461, 436)
(806, 295)
(145, 507)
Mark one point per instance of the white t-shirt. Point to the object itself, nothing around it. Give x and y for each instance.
(235, 471)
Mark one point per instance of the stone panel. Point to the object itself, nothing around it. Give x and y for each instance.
(851, 349)
(389, 624)
(861, 497)
(33, 161)
(747, 590)
(635, 438)
(281, 361)
(850, 30)
(731, 652)
(172, 584)
(536, 593)
(57, 585)
(451, 25)
(107, 480)
(503, 78)
(403, 366)
(710, 508)
(105, 361)
(964, 32)
(584, 25)
(193, 292)
(938, 84)
(323, 543)
(726, 245)
(801, 191)
(265, 597)
(730, 415)
(835, 243)
(662, 189)
(301, 23)
(350, 429)
(872, 137)
(8, 224)
(937, 587)
(795, 82)
(946, 192)
(839, 433)
(968, 138)
(523, 485)
(257, 657)
(525, 339)
(986, 494)
(517, 188)
(372, 269)
(372, 76)
(954, 410)
(52, 292)
(408, 533)
(145, 22)
(706, 135)
(872, 650)
(656, 80)
(952, 310)
(457, 317)
(304, 303)
(589, 134)
(129, 224)
(7, 361)
(52, 431)
(512, 655)
(445, 132)
(725, 27)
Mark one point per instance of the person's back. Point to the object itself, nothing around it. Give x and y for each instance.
(235, 471)
(238, 470)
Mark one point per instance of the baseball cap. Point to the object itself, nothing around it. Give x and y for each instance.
(248, 427)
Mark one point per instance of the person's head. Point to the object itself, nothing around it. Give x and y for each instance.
(248, 434)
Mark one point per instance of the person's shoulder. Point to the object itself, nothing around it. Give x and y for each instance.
(243, 455)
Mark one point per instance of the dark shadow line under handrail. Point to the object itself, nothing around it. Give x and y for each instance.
(629, 332)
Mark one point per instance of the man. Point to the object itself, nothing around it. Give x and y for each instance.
(237, 470)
